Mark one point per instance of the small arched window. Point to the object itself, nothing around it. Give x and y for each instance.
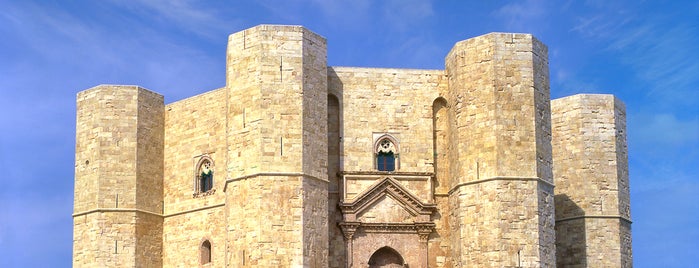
(386, 154)
(204, 175)
(205, 252)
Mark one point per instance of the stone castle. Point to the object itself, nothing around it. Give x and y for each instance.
(294, 163)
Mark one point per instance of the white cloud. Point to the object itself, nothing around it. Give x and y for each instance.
(190, 16)
(660, 51)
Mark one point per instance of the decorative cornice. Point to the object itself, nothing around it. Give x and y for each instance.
(348, 229)
(388, 186)
(385, 173)
(422, 229)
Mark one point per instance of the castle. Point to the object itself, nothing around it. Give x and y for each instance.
(294, 163)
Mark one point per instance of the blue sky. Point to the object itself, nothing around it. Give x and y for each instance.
(644, 52)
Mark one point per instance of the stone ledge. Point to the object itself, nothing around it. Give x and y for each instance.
(272, 174)
(500, 178)
(595, 217)
(115, 210)
(194, 210)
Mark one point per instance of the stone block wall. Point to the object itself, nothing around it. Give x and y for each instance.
(185, 232)
(276, 79)
(119, 150)
(592, 188)
(104, 239)
(386, 101)
(265, 216)
(502, 187)
(195, 128)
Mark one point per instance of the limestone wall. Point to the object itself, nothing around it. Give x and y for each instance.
(119, 150)
(278, 101)
(591, 170)
(185, 233)
(278, 151)
(393, 101)
(336, 245)
(265, 216)
(105, 239)
(194, 127)
(501, 178)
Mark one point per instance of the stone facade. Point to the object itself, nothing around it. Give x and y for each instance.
(298, 164)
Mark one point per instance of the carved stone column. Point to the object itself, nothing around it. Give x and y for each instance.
(348, 229)
(423, 231)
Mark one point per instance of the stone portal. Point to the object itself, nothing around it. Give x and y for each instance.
(386, 257)
(385, 219)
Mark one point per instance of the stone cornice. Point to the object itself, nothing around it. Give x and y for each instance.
(390, 187)
(423, 229)
(595, 217)
(102, 210)
(96, 210)
(499, 178)
(272, 174)
(386, 173)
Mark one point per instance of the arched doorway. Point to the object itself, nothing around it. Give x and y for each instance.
(386, 257)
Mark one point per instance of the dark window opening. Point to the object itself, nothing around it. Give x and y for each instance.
(205, 252)
(206, 177)
(386, 161)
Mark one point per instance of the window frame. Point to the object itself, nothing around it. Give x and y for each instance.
(382, 153)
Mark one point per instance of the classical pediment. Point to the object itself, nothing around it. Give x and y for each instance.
(395, 192)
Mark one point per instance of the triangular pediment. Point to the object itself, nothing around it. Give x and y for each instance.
(386, 209)
(387, 188)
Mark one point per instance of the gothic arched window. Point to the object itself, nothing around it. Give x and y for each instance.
(386, 154)
(205, 175)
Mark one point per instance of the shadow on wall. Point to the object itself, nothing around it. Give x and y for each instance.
(337, 248)
(570, 233)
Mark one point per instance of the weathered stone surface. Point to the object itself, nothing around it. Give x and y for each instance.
(592, 183)
(294, 148)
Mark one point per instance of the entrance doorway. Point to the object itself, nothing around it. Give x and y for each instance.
(386, 257)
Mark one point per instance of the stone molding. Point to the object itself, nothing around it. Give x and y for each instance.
(97, 210)
(500, 178)
(402, 174)
(272, 174)
(390, 187)
(146, 212)
(595, 217)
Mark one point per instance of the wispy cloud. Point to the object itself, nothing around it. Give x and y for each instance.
(65, 43)
(523, 16)
(193, 17)
(661, 53)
